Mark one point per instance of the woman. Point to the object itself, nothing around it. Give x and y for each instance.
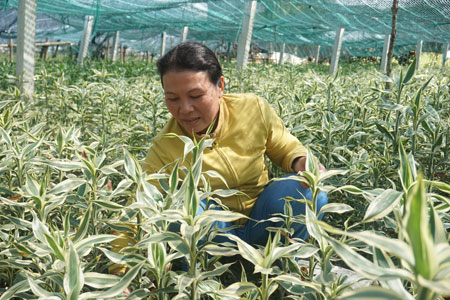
(245, 128)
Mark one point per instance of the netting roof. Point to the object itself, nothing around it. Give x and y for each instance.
(295, 22)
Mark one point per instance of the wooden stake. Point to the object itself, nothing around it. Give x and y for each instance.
(11, 50)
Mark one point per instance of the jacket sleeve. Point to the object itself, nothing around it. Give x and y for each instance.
(281, 146)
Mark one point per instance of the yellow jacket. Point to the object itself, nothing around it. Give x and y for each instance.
(247, 129)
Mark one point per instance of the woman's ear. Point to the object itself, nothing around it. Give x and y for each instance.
(221, 85)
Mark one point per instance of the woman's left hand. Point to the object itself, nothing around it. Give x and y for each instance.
(299, 164)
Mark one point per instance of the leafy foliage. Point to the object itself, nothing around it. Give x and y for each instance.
(75, 204)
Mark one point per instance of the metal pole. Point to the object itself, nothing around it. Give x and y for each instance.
(444, 54)
(418, 53)
(163, 43)
(82, 52)
(316, 59)
(336, 50)
(387, 40)
(26, 38)
(185, 34)
(115, 46)
(246, 34)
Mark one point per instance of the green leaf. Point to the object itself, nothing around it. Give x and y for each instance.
(443, 187)
(410, 73)
(215, 272)
(92, 240)
(437, 227)
(19, 287)
(212, 215)
(314, 230)
(247, 251)
(306, 251)
(363, 266)
(382, 205)
(32, 187)
(335, 208)
(394, 246)
(297, 286)
(67, 185)
(29, 148)
(100, 280)
(383, 260)
(330, 173)
(109, 205)
(123, 283)
(371, 293)
(160, 237)
(418, 97)
(84, 225)
(60, 140)
(407, 171)
(6, 137)
(418, 229)
(173, 179)
(73, 278)
(37, 290)
(53, 244)
(130, 168)
(239, 288)
(385, 131)
(216, 250)
(64, 165)
(311, 164)
(39, 229)
(438, 286)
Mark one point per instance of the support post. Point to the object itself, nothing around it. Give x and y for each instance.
(124, 58)
(444, 54)
(316, 58)
(246, 34)
(283, 48)
(184, 34)
(269, 53)
(418, 53)
(108, 45)
(387, 40)
(229, 51)
(163, 43)
(115, 46)
(45, 50)
(56, 50)
(336, 50)
(11, 50)
(82, 52)
(26, 38)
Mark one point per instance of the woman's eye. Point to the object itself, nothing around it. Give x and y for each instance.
(172, 99)
(196, 96)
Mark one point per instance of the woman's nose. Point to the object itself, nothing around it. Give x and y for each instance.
(186, 107)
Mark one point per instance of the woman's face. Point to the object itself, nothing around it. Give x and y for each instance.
(192, 99)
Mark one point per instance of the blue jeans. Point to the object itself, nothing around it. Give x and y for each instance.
(271, 201)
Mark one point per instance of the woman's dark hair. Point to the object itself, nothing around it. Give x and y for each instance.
(191, 56)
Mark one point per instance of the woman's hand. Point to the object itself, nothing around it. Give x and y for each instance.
(299, 164)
